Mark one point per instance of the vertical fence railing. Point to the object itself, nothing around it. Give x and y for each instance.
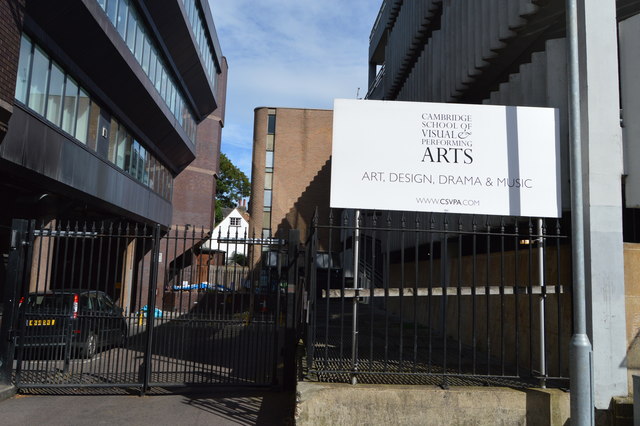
(130, 305)
(441, 298)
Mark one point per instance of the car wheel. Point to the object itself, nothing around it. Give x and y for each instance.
(90, 346)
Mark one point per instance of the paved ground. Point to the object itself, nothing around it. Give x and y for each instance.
(228, 408)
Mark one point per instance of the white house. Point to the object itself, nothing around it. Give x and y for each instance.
(229, 234)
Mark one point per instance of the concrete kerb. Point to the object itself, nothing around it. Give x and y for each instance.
(343, 404)
(7, 391)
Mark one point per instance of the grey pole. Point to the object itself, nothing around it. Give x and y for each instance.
(581, 368)
(356, 288)
(542, 301)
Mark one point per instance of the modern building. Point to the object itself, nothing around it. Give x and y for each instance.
(104, 103)
(291, 169)
(514, 53)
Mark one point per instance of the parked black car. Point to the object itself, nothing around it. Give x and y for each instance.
(80, 320)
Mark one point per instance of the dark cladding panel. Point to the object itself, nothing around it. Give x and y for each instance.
(67, 162)
(76, 172)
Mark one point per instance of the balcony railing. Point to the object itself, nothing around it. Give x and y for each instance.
(376, 83)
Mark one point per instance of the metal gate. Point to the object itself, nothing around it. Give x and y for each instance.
(438, 299)
(120, 305)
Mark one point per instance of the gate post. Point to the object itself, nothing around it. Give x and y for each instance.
(290, 335)
(14, 276)
(151, 307)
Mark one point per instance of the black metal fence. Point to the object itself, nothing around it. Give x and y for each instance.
(120, 305)
(438, 299)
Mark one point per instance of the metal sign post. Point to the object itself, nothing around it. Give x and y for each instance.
(356, 287)
(581, 371)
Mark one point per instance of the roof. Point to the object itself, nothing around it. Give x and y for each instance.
(228, 210)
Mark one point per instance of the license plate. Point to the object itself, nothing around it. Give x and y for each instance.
(42, 322)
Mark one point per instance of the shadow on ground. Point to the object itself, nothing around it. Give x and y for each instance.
(248, 408)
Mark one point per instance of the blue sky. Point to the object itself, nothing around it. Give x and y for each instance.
(289, 53)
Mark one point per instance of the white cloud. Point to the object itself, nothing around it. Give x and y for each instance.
(289, 53)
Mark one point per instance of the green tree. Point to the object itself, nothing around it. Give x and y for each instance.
(232, 185)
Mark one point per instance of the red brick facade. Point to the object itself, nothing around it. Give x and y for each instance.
(301, 169)
(11, 16)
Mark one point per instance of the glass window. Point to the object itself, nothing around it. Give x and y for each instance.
(180, 112)
(39, 76)
(269, 159)
(128, 147)
(266, 219)
(169, 97)
(161, 180)
(112, 6)
(83, 116)
(152, 173)
(163, 88)
(266, 233)
(24, 64)
(175, 103)
(152, 65)
(120, 147)
(142, 157)
(121, 24)
(158, 76)
(145, 56)
(132, 24)
(164, 179)
(54, 97)
(102, 3)
(271, 124)
(190, 5)
(94, 118)
(69, 112)
(267, 197)
(268, 181)
(135, 149)
(139, 42)
(113, 139)
(270, 139)
(147, 168)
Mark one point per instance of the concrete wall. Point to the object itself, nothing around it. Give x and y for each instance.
(333, 404)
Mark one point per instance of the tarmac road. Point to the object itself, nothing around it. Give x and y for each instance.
(189, 408)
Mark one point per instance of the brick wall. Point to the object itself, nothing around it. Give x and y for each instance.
(301, 171)
(11, 16)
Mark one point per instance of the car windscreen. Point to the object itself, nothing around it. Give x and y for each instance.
(49, 303)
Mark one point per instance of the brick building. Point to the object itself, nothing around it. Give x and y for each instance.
(291, 169)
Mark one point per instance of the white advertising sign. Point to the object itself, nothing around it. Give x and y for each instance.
(474, 159)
